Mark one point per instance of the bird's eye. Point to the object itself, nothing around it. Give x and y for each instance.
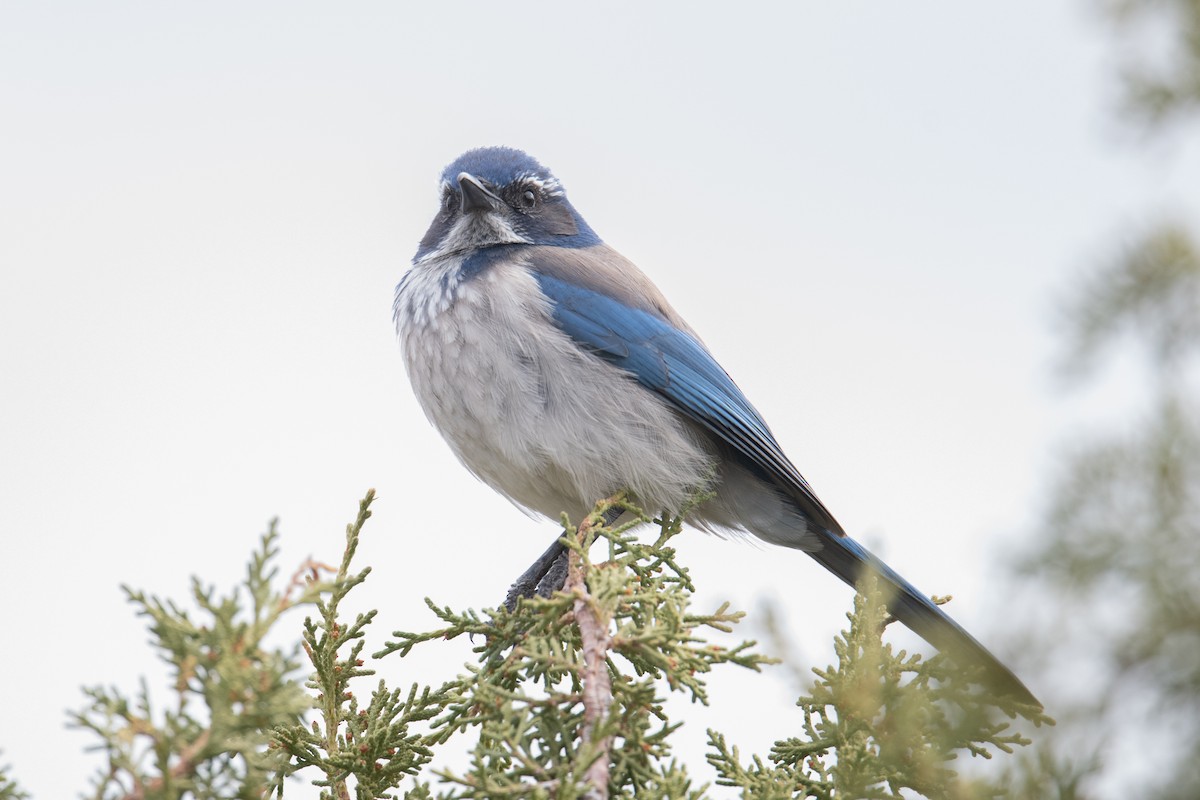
(528, 198)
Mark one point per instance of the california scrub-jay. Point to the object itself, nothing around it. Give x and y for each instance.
(559, 375)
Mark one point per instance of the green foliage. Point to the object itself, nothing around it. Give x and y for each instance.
(1114, 569)
(875, 724)
(527, 698)
(369, 748)
(9, 790)
(878, 724)
(1124, 519)
(1151, 292)
(1118, 558)
(565, 697)
(1161, 77)
(229, 689)
(1044, 773)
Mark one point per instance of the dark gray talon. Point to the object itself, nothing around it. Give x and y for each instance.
(532, 578)
(555, 577)
(549, 573)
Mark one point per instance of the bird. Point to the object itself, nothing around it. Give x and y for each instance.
(559, 374)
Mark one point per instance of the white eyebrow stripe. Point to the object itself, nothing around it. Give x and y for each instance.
(549, 186)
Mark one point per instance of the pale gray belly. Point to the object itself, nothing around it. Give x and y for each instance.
(551, 427)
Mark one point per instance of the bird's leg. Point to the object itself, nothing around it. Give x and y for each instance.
(525, 585)
(548, 574)
(556, 576)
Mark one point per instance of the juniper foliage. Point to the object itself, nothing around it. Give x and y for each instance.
(526, 698)
(875, 724)
(880, 724)
(564, 698)
(229, 689)
(367, 748)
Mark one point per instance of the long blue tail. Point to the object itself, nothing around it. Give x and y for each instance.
(848, 559)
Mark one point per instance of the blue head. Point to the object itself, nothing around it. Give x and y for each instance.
(499, 196)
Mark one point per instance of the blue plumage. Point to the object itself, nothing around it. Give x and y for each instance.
(498, 166)
(559, 374)
(673, 363)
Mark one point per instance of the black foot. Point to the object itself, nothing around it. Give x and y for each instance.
(548, 574)
(532, 578)
(555, 577)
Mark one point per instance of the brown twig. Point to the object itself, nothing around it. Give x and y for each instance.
(189, 760)
(597, 685)
(305, 576)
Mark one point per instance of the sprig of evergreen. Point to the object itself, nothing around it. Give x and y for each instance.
(229, 688)
(565, 698)
(368, 749)
(526, 697)
(880, 724)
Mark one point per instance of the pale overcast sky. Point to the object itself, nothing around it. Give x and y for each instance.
(865, 209)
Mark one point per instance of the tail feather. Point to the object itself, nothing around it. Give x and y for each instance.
(848, 559)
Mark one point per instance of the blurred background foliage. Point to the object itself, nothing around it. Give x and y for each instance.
(1110, 586)
(1158, 52)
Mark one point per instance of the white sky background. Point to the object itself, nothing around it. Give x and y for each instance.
(865, 209)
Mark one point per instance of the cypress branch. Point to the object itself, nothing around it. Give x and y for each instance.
(564, 697)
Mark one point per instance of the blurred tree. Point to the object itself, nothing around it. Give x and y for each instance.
(1115, 571)
(1119, 553)
(1159, 50)
(9, 790)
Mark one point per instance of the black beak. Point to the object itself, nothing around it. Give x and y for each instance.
(475, 197)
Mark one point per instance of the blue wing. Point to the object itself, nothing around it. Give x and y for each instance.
(672, 363)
